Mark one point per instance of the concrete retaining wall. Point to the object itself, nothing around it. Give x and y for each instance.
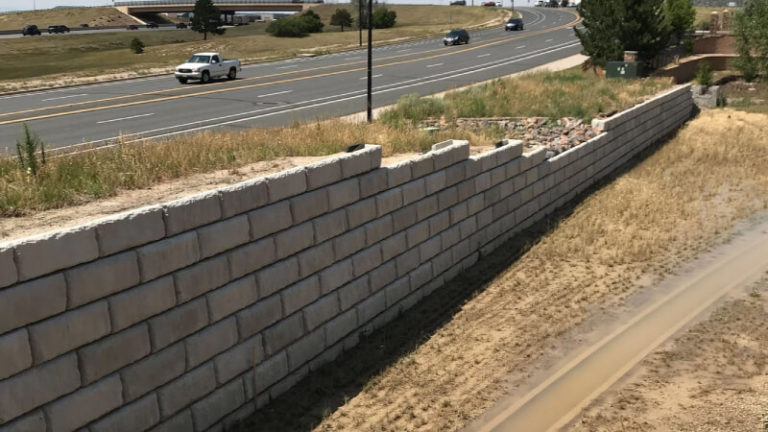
(189, 315)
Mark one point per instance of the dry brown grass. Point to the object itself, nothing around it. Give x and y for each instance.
(93, 16)
(668, 208)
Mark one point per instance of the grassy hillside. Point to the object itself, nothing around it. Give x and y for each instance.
(93, 16)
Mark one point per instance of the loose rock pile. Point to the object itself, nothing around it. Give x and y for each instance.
(558, 135)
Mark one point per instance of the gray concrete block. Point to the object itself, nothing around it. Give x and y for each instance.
(235, 418)
(459, 212)
(286, 384)
(455, 174)
(220, 403)
(239, 359)
(483, 181)
(421, 276)
(191, 212)
(15, 352)
(330, 225)
(361, 161)
(249, 383)
(153, 371)
(426, 207)
(286, 184)
(398, 174)
(343, 193)
(8, 274)
(407, 262)
(439, 222)
(353, 292)
(160, 258)
(450, 237)
(378, 230)
(45, 254)
(142, 302)
(315, 259)
(373, 182)
(182, 422)
(349, 243)
(397, 291)
(336, 276)
(417, 233)
(186, 389)
(383, 275)
(393, 246)
(270, 219)
(100, 278)
(178, 323)
(389, 201)
(447, 198)
(128, 230)
(34, 422)
(452, 151)
(309, 205)
(211, 341)
(65, 332)
(283, 334)
(270, 371)
(305, 349)
(259, 316)
(434, 182)
(371, 307)
(114, 352)
(323, 173)
(138, 416)
(366, 260)
(201, 278)
(33, 388)
(429, 248)
(361, 212)
(340, 327)
(85, 405)
(294, 239)
(422, 165)
(28, 302)
(232, 297)
(242, 197)
(466, 189)
(327, 356)
(414, 191)
(442, 262)
(404, 218)
(498, 175)
(224, 235)
(321, 311)
(277, 276)
(251, 257)
(301, 294)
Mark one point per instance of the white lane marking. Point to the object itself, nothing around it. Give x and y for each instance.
(288, 67)
(435, 65)
(125, 118)
(483, 55)
(275, 93)
(404, 50)
(64, 97)
(520, 47)
(353, 58)
(548, 40)
(374, 76)
(318, 102)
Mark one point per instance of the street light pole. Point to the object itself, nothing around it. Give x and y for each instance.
(370, 59)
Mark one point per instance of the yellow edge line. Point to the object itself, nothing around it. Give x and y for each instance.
(167, 98)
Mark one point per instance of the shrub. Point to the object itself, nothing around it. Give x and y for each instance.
(296, 26)
(704, 74)
(137, 46)
(412, 108)
(384, 18)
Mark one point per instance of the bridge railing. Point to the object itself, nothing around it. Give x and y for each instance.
(188, 2)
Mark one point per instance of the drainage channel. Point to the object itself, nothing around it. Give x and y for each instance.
(557, 400)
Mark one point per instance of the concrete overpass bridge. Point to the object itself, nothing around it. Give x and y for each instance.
(227, 7)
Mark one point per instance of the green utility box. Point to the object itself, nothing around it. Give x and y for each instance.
(620, 69)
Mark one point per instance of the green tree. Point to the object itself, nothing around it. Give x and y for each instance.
(681, 15)
(342, 18)
(206, 18)
(383, 18)
(137, 46)
(751, 32)
(313, 22)
(614, 26)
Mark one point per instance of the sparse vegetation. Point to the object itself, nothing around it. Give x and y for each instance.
(27, 150)
(137, 46)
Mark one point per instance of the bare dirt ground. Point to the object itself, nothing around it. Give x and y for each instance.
(483, 335)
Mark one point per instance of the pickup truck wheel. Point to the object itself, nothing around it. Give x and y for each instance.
(232, 73)
(205, 77)
(182, 80)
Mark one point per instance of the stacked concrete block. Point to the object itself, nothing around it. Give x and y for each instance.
(192, 314)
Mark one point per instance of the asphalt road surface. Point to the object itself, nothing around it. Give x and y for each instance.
(279, 93)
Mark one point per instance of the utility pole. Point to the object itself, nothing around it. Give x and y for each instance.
(360, 20)
(370, 59)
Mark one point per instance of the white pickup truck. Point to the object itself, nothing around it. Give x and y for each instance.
(206, 66)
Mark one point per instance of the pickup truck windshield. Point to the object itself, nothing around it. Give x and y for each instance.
(199, 59)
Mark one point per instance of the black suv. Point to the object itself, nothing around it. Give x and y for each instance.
(514, 24)
(455, 37)
(459, 3)
(58, 29)
(30, 30)
(151, 24)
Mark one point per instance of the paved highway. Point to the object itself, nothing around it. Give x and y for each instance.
(282, 92)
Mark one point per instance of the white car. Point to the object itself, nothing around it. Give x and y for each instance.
(206, 66)
(539, 3)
